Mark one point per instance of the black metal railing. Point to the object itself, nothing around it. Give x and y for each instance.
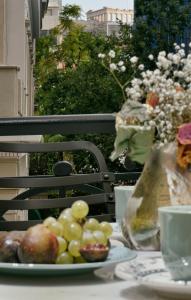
(63, 124)
(66, 125)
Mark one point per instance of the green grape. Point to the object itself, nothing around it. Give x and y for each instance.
(87, 238)
(74, 248)
(106, 228)
(62, 245)
(66, 211)
(91, 224)
(100, 237)
(49, 221)
(73, 231)
(79, 260)
(65, 219)
(56, 228)
(80, 209)
(64, 258)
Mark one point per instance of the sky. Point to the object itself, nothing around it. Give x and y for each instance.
(97, 4)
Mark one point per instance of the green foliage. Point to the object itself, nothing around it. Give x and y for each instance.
(66, 93)
(68, 13)
(158, 24)
(87, 89)
(83, 86)
(45, 59)
(78, 47)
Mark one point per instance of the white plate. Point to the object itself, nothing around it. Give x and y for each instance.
(151, 273)
(116, 254)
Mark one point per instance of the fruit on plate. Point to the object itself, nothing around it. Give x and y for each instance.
(79, 209)
(9, 243)
(80, 233)
(94, 253)
(39, 245)
(71, 238)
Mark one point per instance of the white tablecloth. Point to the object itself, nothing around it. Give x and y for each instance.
(80, 287)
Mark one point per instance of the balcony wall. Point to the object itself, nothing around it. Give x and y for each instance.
(18, 28)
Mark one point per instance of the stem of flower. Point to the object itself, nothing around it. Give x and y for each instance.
(122, 86)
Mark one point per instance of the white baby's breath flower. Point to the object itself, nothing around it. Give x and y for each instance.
(141, 67)
(120, 63)
(159, 65)
(176, 59)
(166, 91)
(162, 53)
(151, 57)
(148, 73)
(123, 68)
(101, 55)
(175, 73)
(161, 114)
(134, 59)
(139, 94)
(146, 82)
(181, 52)
(113, 67)
(156, 72)
(111, 53)
(170, 56)
(180, 74)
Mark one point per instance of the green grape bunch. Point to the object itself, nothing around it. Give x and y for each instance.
(76, 234)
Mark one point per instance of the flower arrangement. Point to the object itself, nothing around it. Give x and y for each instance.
(156, 103)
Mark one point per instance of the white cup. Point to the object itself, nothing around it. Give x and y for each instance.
(122, 194)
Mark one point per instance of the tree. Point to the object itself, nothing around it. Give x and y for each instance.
(82, 85)
(46, 61)
(68, 14)
(159, 24)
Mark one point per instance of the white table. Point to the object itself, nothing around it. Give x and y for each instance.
(79, 287)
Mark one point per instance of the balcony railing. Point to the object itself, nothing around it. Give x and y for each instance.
(63, 124)
(66, 125)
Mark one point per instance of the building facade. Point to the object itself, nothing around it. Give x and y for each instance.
(20, 24)
(51, 18)
(106, 20)
(107, 14)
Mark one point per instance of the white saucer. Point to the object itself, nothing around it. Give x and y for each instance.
(151, 273)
